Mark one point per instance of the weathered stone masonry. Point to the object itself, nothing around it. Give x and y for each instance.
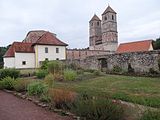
(139, 61)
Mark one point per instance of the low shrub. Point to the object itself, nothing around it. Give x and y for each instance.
(152, 71)
(49, 80)
(20, 85)
(116, 69)
(151, 115)
(13, 73)
(41, 73)
(45, 98)
(8, 83)
(37, 88)
(62, 98)
(89, 70)
(97, 73)
(70, 75)
(44, 64)
(1, 85)
(89, 108)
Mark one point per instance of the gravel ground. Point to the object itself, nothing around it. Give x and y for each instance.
(13, 108)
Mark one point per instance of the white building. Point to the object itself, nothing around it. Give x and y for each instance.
(37, 47)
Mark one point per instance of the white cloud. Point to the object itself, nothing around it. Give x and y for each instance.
(137, 19)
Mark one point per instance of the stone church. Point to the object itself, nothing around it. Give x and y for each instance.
(103, 33)
(103, 36)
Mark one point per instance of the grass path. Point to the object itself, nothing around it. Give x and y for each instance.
(141, 90)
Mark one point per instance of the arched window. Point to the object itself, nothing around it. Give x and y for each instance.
(112, 17)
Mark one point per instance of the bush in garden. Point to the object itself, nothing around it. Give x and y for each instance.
(8, 83)
(90, 108)
(45, 98)
(20, 85)
(41, 73)
(55, 67)
(97, 73)
(151, 115)
(62, 98)
(13, 73)
(44, 64)
(49, 80)
(1, 85)
(152, 71)
(37, 88)
(70, 75)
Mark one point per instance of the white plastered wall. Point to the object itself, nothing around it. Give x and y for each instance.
(29, 58)
(9, 62)
(51, 55)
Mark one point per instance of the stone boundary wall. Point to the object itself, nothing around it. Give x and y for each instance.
(141, 62)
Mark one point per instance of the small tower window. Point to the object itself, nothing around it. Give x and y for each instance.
(112, 17)
(91, 24)
(105, 18)
(98, 23)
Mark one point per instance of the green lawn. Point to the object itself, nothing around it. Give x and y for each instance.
(141, 90)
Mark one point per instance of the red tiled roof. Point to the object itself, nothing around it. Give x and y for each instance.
(134, 46)
(19, 47)
(49, 39)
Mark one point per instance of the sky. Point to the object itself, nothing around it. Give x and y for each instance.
(69, 19)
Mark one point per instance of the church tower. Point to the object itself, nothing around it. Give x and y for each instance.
(109, 30)
(95, 35)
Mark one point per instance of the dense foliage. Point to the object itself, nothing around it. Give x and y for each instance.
(151, 115)
(2, 52)
(13, 73)
(156, 44)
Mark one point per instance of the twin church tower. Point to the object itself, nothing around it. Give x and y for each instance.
(103, 33)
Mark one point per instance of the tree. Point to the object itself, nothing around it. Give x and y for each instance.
(2, 52)
(156, 44)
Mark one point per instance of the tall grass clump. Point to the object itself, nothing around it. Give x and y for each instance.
(70, 75)
(55, 67)
(13, 73)
(37, 88)
(62, 98)
(49, 80)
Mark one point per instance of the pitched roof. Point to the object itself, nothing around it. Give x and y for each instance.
(19, 47)
(109, 9)
(134, 46)
(95, 17)
(49, 39)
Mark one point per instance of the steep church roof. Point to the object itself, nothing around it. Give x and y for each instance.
(137, 46)
(95, 17)
(109, 9)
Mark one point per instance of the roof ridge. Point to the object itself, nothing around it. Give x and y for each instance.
(137, 41)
